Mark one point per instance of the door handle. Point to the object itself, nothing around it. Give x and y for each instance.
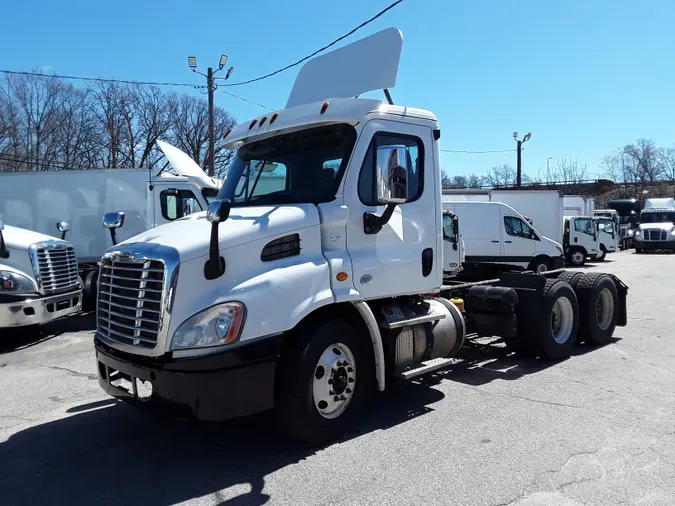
(508, 242)
(495, 241)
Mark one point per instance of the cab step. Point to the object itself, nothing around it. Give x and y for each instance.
(409, 322)
(426, 367)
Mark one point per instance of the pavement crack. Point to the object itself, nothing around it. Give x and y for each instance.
(71, 372)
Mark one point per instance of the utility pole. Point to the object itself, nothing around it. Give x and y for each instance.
(548, 177)
(210, 88)
(519, 148)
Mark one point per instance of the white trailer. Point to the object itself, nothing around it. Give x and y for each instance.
(578, 205)
(38, 200)
(305, 298)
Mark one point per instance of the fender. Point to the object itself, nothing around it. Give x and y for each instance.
(376, 338)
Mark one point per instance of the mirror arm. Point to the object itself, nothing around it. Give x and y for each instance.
(372, 223)
(4, 253)
(113, 236)
(215, 265)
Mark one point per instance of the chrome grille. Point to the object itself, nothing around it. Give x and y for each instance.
(56, 267)
(130, 301)
(655, 234)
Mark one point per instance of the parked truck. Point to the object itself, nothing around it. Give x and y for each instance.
(147, 198)
(578, 205)
(657, 226)
(38, 277)
(629, 213)
(307, 297)
(545, 211)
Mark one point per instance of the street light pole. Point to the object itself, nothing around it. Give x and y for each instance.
(519, 148)
(210, 88)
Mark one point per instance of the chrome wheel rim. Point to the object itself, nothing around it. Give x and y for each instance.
(542, 267)
(604, 308)
(334, 380)
(562, 320)
(577, 257)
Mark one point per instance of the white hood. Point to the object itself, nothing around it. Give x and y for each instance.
(186, 166)
(190, 235)
(20, 238)
(667, 226)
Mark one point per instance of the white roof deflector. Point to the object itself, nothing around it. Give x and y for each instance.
(365, 65)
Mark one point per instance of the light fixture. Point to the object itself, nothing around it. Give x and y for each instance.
(192, 62)
(223, 61)
(229, 72)
(527, 137)
(515, 135)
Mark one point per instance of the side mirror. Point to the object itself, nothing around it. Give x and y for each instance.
(391, 175)
(3, 250)
(63, 227)
(218, 212)
(392, 165)
(111, 221)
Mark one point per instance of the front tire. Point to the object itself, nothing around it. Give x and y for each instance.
(577, 258)
(600, 256)
(325, 374)
(540, 265)
(638, 251)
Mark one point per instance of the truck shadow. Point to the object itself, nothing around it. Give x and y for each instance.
(481, 363)
(110, 453)
(24, 337)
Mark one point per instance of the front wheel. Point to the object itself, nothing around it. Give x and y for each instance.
(577, 258)
(600, 255)
(540, 265)
(324, 378)
(638, 251)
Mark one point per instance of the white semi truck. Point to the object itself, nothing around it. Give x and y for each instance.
(306, 297)
(38, 278)
(657, 226)
(36, 200)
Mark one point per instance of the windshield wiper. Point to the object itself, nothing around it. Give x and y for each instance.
(260, 168)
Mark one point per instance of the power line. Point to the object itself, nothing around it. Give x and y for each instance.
(96, 79)
(478, 152)
(247, 100)
(295, 64)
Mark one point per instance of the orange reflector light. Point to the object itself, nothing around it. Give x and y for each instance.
(324, 107)
(342, 276)
(262, 121)
(274, 117)
(252, 124)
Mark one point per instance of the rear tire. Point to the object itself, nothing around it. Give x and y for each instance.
(638, 251)
(560, 320)
(540, 265)
(599, 308)
(571, 277)
(322, 352)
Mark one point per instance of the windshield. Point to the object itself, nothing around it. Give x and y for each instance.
(606, 225)
(667, 217)
(299, 167)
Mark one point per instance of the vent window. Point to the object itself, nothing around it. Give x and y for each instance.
(283, 247)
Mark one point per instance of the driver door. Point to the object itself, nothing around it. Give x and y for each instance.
(405, 255)
(518, 240)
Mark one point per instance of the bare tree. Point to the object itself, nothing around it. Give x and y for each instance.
(503, 175)
(569, 171)
(667, 161)
(446, 182)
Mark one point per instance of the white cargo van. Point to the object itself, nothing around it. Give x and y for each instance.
(36, 200)
(38, 278)
(496, 234)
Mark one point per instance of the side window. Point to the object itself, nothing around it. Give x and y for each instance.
(413, 150)
(178, 203)
(518, 228)
(448, 229)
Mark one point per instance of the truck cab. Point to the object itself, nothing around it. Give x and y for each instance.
(628, 211)
(38, 278)
(657, 226)
(580, 239)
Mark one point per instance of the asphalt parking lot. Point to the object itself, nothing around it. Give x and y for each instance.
(598, 428)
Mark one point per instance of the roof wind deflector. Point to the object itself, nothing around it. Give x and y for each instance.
(365, 65)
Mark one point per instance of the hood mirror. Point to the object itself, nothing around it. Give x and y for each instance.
(3, 250)
(218, 212)
(63, 227)
(111, 221)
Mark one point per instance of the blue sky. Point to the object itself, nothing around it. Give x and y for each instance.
(583, 76)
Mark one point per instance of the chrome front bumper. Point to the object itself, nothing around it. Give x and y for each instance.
(34, 311)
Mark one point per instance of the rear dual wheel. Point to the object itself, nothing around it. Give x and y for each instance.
(599, 304)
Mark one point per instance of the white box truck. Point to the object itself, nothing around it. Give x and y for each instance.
(38, 278)
(497, 237)
(578, 205)
(306, 297)
(38, 200)
(657, 226)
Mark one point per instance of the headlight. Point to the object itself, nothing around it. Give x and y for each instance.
(631, 231)
(15, 284)
(215, 326)
(638, 233)
(560, 250)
